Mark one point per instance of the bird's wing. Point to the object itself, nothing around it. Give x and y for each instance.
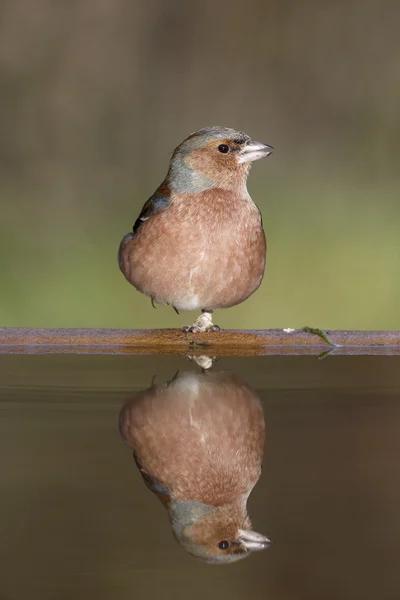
(161, 490)
(158, 201)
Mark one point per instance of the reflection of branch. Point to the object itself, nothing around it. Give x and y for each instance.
(326, 353)
(201, 344)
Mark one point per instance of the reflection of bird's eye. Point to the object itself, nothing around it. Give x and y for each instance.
(224, 149)
(224, 545)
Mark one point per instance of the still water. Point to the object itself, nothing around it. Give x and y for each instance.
(79, 521)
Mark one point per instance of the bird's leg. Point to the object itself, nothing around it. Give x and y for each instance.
(203, 361)
(173, 379)
(202, 323)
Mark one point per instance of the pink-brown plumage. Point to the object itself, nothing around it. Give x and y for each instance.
(199, 443)
(215, 258)
(202, 436)
(199, 241)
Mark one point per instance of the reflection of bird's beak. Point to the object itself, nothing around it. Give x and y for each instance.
(253, 541)
(253, 151)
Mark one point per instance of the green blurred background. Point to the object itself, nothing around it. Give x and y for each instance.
(96, 94)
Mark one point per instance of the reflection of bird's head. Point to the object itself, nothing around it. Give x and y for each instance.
(215, 534)
(199, 444)
(214, 157)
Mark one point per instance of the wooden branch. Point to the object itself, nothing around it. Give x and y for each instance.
(174, 341)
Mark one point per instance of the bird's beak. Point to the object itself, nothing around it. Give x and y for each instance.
(253, 151)
(253, 541)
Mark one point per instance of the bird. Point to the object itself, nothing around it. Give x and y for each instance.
(199, 242)
(198, 442)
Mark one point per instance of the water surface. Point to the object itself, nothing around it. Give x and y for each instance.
(78, 521)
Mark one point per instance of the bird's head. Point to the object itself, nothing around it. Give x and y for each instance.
(214, 157)
(219, 534)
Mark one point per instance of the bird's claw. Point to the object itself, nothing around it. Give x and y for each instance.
(202, 324)
(203, 361)
(198, 329)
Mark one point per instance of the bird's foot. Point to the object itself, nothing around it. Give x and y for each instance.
(203, 361)
(196, 329)
(202, 324)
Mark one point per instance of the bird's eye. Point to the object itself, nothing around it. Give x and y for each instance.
(224, 148)
(224, 545)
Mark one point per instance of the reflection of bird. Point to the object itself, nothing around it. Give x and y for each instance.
(199, 242)
(198, 443)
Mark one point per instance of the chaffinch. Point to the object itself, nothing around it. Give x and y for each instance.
(198, 442)
(199, 243)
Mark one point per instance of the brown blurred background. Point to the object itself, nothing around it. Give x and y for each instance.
(95, 96)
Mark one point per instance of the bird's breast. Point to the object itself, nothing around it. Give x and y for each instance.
(200, 437)
(199, 254)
